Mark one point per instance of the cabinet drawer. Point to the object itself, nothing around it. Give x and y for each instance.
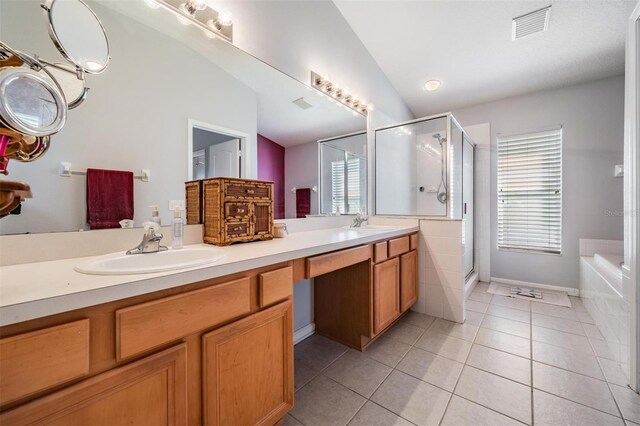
(398, 246)
(241, 190)
(35, 361)
(148, 325)
(326, 263)
(237, 229)
(414, 241)
(150, 391)
(276, 285)
(237, 210)
(380, 252)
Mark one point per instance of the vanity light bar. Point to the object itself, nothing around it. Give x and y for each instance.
(213, 22)
(339, 95)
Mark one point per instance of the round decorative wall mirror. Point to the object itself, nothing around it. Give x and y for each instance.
(31, 104)
(78, 34)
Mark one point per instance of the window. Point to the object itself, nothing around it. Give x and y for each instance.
(529, 192)
(337, 186)
(342, 174)
(345, 197)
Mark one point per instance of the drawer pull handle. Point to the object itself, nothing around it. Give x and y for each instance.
(240, 210)
(237, 228)
(250, 191)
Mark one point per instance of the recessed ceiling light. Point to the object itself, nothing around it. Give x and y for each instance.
(432, 85)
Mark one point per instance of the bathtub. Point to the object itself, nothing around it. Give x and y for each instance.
(610, 266)
(605, 298)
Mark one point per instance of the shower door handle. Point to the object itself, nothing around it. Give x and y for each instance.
(465, 208)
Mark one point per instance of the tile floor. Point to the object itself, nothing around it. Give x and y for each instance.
(512, 362)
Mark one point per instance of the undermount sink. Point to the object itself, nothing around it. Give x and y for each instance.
(170, 260)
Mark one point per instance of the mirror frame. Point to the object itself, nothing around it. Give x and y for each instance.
(9, 117)
(47, 7)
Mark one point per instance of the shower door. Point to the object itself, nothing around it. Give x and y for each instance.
(468, 217)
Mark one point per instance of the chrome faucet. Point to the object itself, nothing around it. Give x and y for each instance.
(150, 241)
(359, 220)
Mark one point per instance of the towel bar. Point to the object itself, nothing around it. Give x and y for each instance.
(66, 171)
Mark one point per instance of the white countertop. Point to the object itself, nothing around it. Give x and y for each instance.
(35, 290)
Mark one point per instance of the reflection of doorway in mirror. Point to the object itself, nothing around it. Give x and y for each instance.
(224, 159)
(199, 164)
(215, 151)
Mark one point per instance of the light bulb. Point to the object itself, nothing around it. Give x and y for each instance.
(198, 4)
(224, 18)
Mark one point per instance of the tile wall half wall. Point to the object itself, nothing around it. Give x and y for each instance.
(441, 277)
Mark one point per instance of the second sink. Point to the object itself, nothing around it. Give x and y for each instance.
(123, 264)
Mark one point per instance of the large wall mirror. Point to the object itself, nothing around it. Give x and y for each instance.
(178, 104)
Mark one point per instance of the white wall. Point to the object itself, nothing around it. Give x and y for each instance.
(134, 118)
(299, 36)
(592, 118)
(300, 171)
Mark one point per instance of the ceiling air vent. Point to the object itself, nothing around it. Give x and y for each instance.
(302, 103)
(530, 23)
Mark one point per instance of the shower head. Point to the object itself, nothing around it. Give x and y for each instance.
(438, 136)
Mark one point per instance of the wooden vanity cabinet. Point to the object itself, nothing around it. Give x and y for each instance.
(213, 352)
(386, 294)
(151, 391)
(248, 369)
(361, 291)
(408, 280)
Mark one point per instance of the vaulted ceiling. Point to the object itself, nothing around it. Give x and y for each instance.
(467, 45)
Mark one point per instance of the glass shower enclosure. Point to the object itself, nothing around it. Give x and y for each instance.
(424, 168)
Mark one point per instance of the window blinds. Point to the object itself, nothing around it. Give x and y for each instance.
(529, 191)
(337, 186)
(345, 189)
(353, 185)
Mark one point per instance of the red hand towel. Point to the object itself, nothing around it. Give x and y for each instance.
(109, 198)
(303, 202)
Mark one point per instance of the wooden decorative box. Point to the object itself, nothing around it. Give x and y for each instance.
(193, 201)
(234, 210)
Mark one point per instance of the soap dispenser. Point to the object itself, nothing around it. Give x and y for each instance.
(177, 229)
(155, 215)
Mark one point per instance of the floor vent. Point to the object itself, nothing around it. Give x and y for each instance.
(526, 292)
(530, 23)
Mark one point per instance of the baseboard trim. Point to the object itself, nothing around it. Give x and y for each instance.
(302, 333)
(570, 291)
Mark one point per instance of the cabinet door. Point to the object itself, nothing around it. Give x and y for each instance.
(408, 280)
(263, 218)
(248, 369)
(152, 391)
(386, 294)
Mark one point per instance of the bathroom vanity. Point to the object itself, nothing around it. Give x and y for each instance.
(210, 345)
